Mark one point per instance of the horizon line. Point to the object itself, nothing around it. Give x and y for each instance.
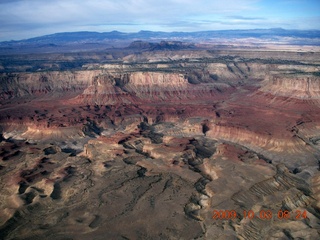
(140, 31)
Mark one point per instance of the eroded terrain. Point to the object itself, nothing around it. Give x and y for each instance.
(149, 145)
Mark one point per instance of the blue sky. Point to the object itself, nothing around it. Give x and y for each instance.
(20, 19)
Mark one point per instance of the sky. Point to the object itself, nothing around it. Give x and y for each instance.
(22, 19)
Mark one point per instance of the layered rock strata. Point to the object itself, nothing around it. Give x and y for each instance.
(162, 143)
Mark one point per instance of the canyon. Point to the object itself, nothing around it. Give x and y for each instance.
(146, 143)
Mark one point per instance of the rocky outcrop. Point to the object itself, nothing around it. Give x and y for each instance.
(305, 87)
(133, 87)
(19, 85)
(102, 87)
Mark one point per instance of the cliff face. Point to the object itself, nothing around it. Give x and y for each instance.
(296, 86)
(17, 85)
(133, 87)
(169, 90)
(103, 87)
(162, 81)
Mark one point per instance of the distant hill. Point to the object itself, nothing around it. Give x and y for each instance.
(75, 41)
(163, 45)
(91, 37)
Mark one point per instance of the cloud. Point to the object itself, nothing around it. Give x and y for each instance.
(245, 18)
(50, 11)
(9, 1)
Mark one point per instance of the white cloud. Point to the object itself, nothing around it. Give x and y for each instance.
(154, 10)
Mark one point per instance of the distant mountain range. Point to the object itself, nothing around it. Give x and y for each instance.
(96, 37)
(84, 41)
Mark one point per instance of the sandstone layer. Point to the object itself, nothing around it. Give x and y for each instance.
(150, 146)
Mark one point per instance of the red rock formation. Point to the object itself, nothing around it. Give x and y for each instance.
(238, 101)
(296, 86)
(167, 141)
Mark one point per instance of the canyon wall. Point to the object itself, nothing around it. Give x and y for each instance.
(162, 81)
(295, 86)
(193, 88)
